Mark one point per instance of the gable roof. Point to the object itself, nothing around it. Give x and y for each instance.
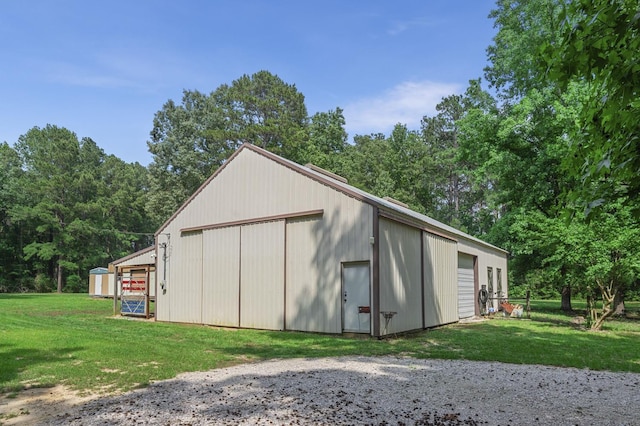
(386, 207)
(134, 255)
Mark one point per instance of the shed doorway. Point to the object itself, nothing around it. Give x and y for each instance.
(134, 291)
(356, 300)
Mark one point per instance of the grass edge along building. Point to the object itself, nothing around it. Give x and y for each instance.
(269, 244)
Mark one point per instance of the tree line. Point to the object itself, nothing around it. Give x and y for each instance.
(546, 165)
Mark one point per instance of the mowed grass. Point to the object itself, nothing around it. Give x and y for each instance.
(74, 340)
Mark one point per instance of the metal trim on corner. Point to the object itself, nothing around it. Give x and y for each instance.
(375, 273)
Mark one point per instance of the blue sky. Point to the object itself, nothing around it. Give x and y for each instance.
(102, 69)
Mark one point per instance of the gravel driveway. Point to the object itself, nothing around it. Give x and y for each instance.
(374, 390)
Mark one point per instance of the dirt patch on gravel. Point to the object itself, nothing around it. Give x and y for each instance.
(37, 405)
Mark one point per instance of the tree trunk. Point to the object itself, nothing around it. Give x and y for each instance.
(566, 299)
(618, 304)
(59, 278)
(592, 314)
(608, 295)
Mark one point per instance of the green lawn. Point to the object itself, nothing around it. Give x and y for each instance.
(73, 339)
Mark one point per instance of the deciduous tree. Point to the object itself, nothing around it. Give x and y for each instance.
(190, 141)
(599, 44)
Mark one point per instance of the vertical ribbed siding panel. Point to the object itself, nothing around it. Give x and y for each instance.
(466, 291)
(152, 284)
(186, 285)
(309, 304)
(400, 276)
(262, 276)
(221, 277)
(440, 280)
(316, 248)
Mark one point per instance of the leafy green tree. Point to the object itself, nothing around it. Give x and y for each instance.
(530, 143)
(599, 44)
(609, 259)
(478, 155)
(77, 202)
(513, 60)
(49, 157)
(439, 171)
(390, 166)
(459, 192)
(190, 141)
(369, 168)
(328, 146)
(529, 149)
(547, 253)
(188, 144)
(441, 137)
(266, 111)
(12, 265)
(427, 169)
(553, 149)
(123, 196)
(406, 164)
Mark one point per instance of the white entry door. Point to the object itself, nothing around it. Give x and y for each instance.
(98, 287)
(356, 302)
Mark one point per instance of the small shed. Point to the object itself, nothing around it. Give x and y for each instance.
(99, 283)
(271, 244)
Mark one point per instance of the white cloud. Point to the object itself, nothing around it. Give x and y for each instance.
(136, 68)
(399, 27)
(405, 103)
(75, 75)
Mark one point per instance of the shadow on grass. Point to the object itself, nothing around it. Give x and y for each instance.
(13, 296)
(291, 344)
(538, 342)
(13, 361)
(543, 341)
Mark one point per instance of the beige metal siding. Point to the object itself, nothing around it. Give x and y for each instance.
(221, 277)
(252, 186)
(316, 248)
(310, 297)
(186, 280)
(440, 280)
(400, 276)
(262, 276)
(487, 258)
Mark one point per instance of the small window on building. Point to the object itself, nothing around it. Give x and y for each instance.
(490, 287)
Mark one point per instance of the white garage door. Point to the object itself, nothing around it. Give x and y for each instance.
(466, 291)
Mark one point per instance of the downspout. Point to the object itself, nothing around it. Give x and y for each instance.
(375, 279)
(155, 283)
(422, 237)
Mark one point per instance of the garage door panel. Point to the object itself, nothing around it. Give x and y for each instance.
(466, 289)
